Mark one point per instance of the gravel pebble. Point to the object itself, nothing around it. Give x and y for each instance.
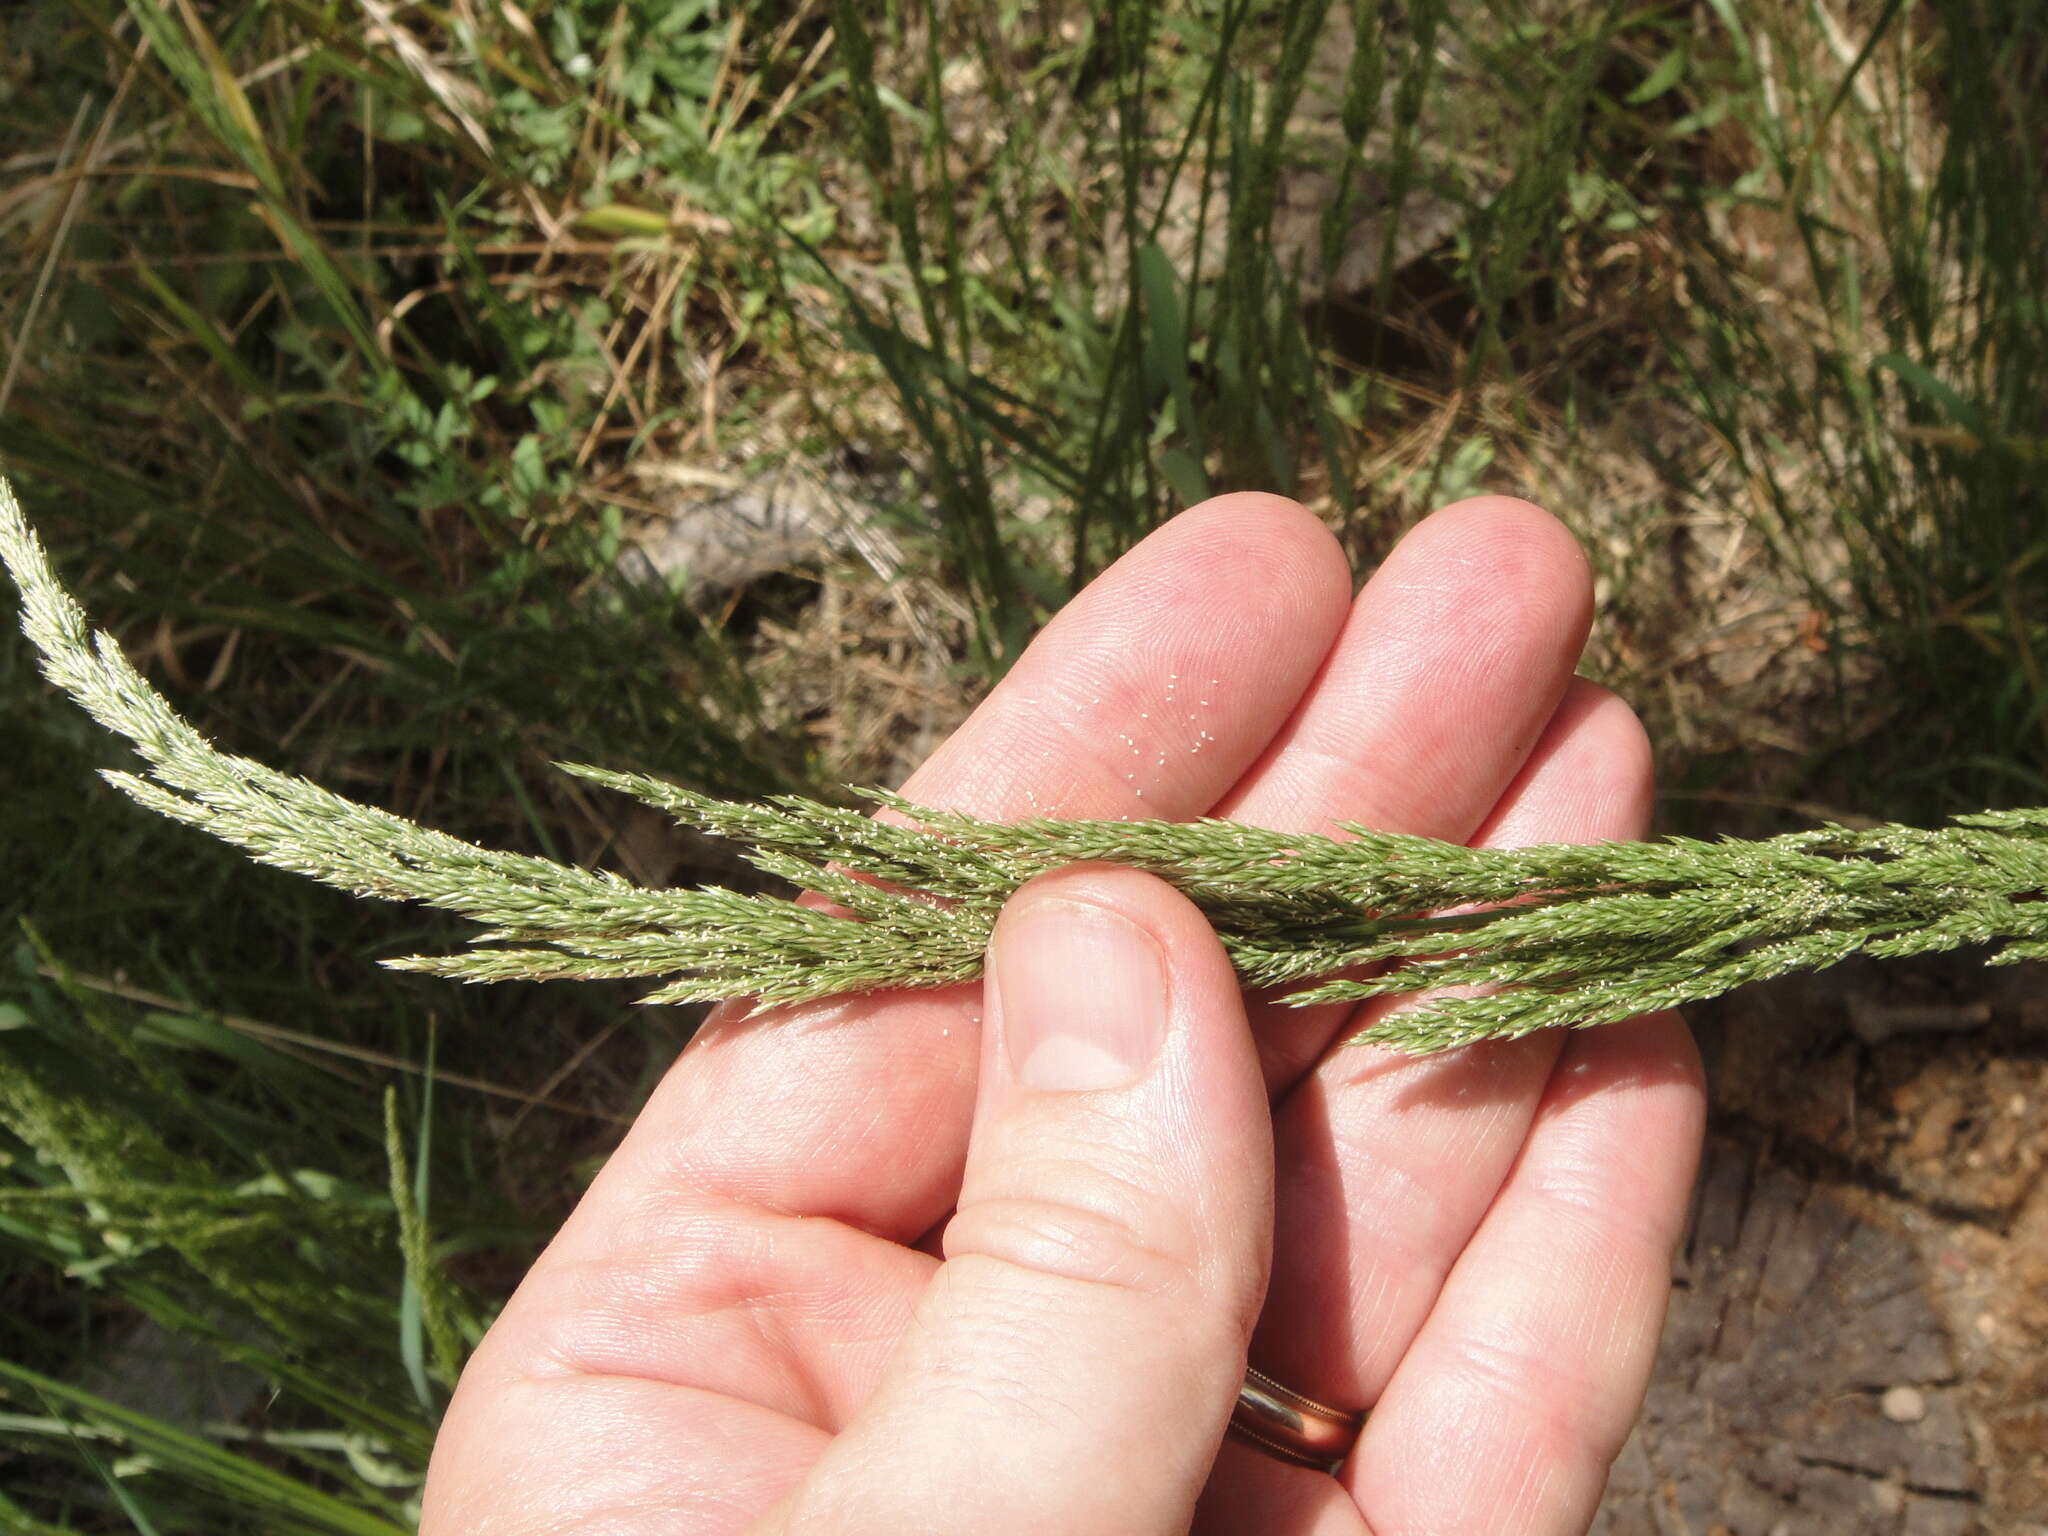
(1904, 1405)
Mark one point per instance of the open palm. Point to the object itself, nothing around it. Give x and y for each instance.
(798, 1297)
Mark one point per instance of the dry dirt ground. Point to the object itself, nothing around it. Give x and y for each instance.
(1858, 1341)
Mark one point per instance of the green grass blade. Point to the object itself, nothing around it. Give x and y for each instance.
(250, 1486)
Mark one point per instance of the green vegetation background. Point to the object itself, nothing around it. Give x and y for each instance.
(332, 333)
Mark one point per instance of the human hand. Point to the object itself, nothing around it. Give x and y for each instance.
(880, 1265)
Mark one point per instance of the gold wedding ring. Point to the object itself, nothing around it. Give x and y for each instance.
(1283, 1423)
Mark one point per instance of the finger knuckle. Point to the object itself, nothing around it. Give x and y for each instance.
(1560, 1408)
(1098, 1231)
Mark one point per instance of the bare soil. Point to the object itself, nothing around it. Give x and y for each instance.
(1858, 1341)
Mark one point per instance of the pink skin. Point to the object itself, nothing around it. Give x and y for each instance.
(750, 1322)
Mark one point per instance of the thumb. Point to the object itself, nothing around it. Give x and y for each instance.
(1073, 1363)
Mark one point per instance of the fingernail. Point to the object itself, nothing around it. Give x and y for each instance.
(1083, 995)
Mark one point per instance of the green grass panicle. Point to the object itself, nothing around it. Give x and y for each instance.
(1568, 936)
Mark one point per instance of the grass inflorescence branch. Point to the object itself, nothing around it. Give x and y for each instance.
(1506, 940)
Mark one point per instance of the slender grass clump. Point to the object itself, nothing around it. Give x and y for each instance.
(1507, 941)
